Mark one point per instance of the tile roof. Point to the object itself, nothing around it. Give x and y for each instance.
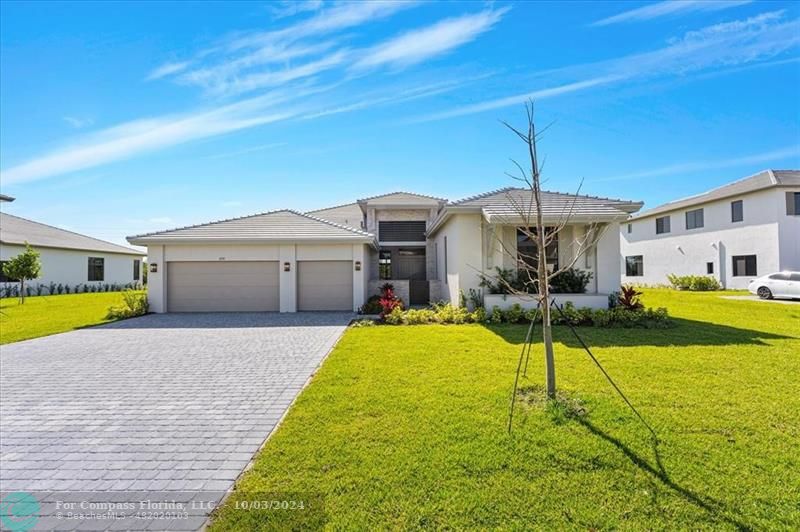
(3, 197)
(760, 181)
(16, 230)
(401, 197)
(508, 201)
(283, 225)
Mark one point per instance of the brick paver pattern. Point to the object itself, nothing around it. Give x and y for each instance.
(171, 402)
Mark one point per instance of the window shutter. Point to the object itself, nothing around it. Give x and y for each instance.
(790, 206)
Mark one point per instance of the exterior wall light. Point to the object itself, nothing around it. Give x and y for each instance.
(153, 267)
(358, 265)
(287, 267)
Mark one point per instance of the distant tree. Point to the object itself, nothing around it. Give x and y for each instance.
(23, 267)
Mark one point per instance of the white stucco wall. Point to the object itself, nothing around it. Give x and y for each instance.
(766, 232)
(291, 253)
(71, 267)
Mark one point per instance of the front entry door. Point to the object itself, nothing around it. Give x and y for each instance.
(411, 266)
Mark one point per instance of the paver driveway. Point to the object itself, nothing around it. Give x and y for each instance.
(170, 406)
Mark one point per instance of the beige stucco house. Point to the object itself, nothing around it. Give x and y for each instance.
(430, 249)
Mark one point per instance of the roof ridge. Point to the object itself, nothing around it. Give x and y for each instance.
(334, 224)
(590, 196)
(334, 207)
(71, 232)
(400, 192)
(192, 226)
(482, 195)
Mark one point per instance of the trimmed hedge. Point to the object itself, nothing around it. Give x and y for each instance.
(694, 283)
(616, 317)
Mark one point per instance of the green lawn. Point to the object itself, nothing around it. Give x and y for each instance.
(44, 315)
(405, 427)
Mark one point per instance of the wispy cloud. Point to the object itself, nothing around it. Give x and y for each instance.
(244, 151)
(168, 69)
(781, 154)
(421, 44)
(727, 45)
(667, 8)
(290, 8)
(77, 123)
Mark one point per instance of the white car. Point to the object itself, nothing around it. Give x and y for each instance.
(779, 284)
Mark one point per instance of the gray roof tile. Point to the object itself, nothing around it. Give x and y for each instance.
(16, 230)
(760, 181)
(284, 225)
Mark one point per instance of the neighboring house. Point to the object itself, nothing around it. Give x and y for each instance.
(334, 259)
(68, 258)
(735, 233)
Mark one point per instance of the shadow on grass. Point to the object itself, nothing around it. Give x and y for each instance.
(715, 509)
(684, 333)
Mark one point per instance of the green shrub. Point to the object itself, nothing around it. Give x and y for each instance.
(507, 281)
(395, 317)
(133, 304)
(496, 316)
(694, 283)
(363, 323)
(478, 315)
(514, 314)
(570, 281)
(372, 306)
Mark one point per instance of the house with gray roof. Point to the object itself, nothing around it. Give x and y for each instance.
(335, 258)
(68, 259)
(735, 233)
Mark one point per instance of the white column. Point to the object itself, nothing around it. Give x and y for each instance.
(360, 278)
(288, 280)
(157, 281)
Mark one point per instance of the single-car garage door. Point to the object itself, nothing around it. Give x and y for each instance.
(325, 285)
(222, 286)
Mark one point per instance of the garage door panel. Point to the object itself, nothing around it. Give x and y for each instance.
(222, 286)
(325, 285)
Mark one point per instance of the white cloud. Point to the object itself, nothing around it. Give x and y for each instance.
(669, 7)
(167, 69)
(421, 44)
(699, 166)
(76, 122)
(290, 8)
(730, 44)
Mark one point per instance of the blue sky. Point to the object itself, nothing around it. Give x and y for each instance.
(117, 119)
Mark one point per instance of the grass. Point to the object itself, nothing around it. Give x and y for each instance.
(45, 315)
(405, 427)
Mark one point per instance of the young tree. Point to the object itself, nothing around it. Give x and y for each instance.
(24, 266)
(542, 229)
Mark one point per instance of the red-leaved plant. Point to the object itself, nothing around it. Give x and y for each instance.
(629, 298)
(388, 300)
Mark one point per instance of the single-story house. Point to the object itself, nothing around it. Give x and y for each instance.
(429, 248)
(68, 259)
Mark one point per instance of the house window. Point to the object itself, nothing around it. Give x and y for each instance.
(385, 264)
(694, 219)
(3, 278)
(737, 211)
(744, 265)
(634, 266)
(630, 228)
(445, 260)
(662, 225)
(527, 255)
(709, 268)
(96, 268)
(793, 203)
(401, 231)
(136, 269)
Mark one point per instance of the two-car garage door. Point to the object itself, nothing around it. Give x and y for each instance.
(254, 286)
(223, 286)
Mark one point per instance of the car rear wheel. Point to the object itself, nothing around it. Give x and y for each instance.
(764, 293)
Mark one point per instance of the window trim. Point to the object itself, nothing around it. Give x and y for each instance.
(665, 225)
(735, 270)
(693, 215)
(734, 203)
(638, 262)
(99, 262)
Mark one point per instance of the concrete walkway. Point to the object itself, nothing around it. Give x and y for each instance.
(162, 407)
